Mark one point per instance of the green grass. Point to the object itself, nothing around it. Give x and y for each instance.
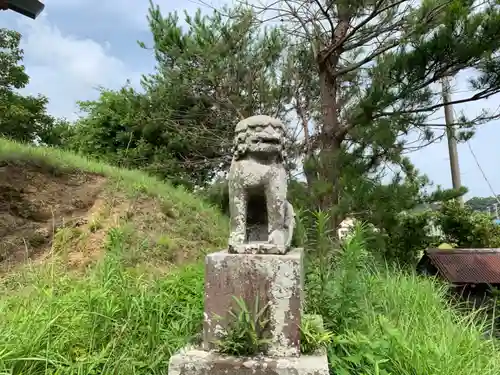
(162, 220)
(390, 322)
(110, 321)
(118, 318)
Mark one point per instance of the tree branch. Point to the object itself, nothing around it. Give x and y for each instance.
(481, 95)
(376, 11)
(367, 59)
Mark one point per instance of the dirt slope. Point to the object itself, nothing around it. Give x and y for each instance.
(57, 204)
(35, 202)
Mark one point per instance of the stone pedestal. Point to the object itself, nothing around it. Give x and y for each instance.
(276, 280)
(192, 361)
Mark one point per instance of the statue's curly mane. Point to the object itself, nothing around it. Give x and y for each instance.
(240, 145)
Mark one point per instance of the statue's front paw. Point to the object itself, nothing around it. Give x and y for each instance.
(278, 238)
(236, 238)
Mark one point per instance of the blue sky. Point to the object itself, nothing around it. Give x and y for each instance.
(76, 46)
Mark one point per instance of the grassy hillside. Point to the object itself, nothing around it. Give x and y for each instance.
(84, 287)
(53, 200)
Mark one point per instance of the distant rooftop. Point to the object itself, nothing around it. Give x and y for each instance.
(465, 266)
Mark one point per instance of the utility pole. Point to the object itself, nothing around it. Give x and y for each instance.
(452, 140)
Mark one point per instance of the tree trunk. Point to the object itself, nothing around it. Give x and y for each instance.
(329, 163)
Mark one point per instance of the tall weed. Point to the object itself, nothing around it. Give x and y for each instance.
(387, 321)
(108, 322)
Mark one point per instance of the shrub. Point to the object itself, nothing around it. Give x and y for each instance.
(464, 227)
(218, 195)
(313, 336)
(386, 321)
(403, 240)
(245, 334)
(111, 321)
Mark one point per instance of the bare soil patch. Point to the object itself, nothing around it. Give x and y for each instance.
(37, 199)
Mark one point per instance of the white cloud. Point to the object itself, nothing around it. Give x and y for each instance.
(68, 68)
(132, 13)
(128, 10)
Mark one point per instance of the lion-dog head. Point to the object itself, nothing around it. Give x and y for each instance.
(260, 137)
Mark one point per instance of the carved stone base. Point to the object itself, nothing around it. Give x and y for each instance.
(258, 248)
(276, 280)
(198, 362)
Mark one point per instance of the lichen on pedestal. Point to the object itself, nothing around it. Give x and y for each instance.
(275, 280)
(191, 361)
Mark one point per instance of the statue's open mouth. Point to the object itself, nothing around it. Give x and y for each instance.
(270, 141)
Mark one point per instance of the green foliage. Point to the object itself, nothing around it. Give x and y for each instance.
(403, 239)
(381, 202)
(359, 92)
(229, 56)
(482, 204)
(120, 128)
(386, 321)
(323, 298)
(210, 73)
(464, 227)
(313, 336)
(246, 331)
(60, 134)
(320, 240)
(22, 118)
(399, 213)
(408, 237)
(218, 195)
(110, 320)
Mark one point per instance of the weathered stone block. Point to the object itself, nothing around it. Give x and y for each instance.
(258, 247)
(199, 362)
(277, 280)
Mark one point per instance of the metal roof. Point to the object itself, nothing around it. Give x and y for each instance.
(467, 266)
(28, 8)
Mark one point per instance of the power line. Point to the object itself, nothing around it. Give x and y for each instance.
(481, 169)
(482, 172)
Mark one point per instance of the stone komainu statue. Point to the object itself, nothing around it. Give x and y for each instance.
(262, 220)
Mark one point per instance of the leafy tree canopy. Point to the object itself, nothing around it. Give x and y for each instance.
(366, 74)
(351, 80)
(209, 75)
(23, 118)
(482, 203)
